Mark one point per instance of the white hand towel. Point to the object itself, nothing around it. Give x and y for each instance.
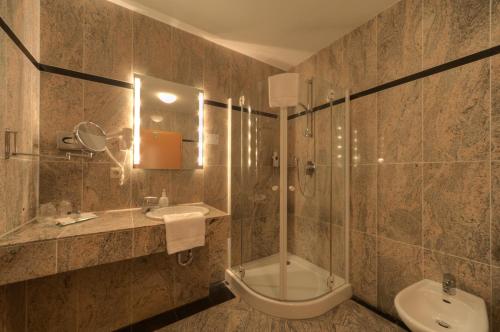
(184, 231)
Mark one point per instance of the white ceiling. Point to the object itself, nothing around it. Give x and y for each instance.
(282, 33)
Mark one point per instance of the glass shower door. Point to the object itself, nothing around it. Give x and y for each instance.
(255, 197)
(288, 193)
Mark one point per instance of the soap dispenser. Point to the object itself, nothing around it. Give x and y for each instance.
(163, 202)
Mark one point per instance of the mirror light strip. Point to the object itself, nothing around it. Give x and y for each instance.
(200, 128)
(137, 121)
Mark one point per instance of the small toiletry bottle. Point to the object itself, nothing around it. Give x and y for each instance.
(163, 199)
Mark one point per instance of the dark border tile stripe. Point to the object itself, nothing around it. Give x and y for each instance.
(18, 43)
(424, 73)
(219, 293)
(239, 109)
(84, 76)
(380, 313)
(96, 78)
(413, 77)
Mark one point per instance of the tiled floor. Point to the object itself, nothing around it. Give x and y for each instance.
(236, 315)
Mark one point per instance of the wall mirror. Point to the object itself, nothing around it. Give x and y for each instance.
(168, 124)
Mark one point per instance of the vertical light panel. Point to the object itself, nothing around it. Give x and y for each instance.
(137, 121)
(200, 128)
(249, 136)
(229, 155)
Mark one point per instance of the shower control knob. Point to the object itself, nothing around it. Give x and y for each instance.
(291, 188)
(275, 188)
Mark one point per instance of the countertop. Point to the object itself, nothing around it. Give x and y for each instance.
(42, 248)
(46, 229)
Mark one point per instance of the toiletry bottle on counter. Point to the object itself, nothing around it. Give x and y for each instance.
(163, 199)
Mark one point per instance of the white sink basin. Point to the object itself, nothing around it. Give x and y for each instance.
(177, 209)
(424, 307)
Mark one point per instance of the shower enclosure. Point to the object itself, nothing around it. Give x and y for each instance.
(290, 200)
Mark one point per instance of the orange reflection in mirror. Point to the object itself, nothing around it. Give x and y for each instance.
(160, 149)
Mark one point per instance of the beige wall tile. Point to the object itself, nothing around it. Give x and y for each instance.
(364, 130)
(216, 124)
(52, 303)
(456, 114)
(219, 231)
(399, 40)
(99, 249)
(400, 123)
(61, 181)
(217, 74)
(152, 285)
(61, 33)
(107, 40)
(264, 236)
(241, 80)
(22, 93)
(456, 214)
(364, 198)
(323, 142)
(329, 64)
(495, 107)
(180, 192)
(310, 240)
(187, 57)
(149, 183)
(399, 203)
(495, 22)
(215, 182)
(61, 108)
(363, 271)
(27, 261)
(453, 29)
(18, 191)
(111, 108)
(399, 266)
(152, 47)
(104, 297)
(360, 56)
(23, 17)
(471, 276)
(101, 192)
(495, 213)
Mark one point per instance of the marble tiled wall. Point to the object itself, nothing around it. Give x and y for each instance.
(424, 178)
(101, 38)
(19, 110)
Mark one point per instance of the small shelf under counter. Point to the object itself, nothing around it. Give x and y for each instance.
(42, 248)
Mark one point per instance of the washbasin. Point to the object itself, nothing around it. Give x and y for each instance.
(424, 307)
(177, 209)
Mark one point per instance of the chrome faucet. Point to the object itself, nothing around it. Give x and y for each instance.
(449, 284)
(149, 203)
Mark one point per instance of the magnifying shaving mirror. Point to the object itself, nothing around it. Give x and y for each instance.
(91, 136)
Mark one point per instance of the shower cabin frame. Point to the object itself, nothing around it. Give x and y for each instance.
(305, 308)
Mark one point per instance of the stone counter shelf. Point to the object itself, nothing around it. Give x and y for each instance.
(42, 248)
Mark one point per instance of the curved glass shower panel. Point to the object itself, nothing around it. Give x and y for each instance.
(255, 193)
(304, 258)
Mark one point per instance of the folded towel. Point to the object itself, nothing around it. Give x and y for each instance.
(184, 231)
